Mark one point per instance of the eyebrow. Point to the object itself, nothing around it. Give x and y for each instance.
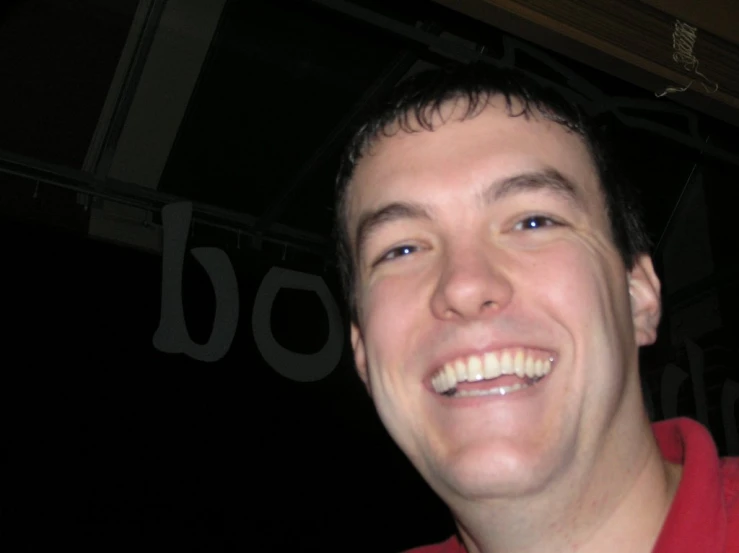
(548, 179)
(371, 221)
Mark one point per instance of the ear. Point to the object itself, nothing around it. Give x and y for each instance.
(646, 306)
(360, 354)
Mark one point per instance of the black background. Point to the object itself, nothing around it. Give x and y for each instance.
(111, 445)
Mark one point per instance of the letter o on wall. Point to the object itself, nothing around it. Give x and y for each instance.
(301, 367)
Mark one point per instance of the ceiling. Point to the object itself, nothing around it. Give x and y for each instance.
(683, 48)
(267, 96)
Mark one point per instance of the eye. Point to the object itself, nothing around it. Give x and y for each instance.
(535, 222)
(399, 251)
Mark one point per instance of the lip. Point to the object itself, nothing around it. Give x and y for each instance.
(439, 362)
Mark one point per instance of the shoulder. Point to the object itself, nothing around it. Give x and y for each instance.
(452, 545)
(729, 468)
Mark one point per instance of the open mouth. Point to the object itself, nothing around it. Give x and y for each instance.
(494, 373)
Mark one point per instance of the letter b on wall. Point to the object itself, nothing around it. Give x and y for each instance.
(172, 335)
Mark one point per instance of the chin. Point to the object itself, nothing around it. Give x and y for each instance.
(490, 471)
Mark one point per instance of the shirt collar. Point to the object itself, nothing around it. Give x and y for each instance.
(697, 517)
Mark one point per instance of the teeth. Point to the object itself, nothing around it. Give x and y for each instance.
(450, 376)
(523, 363)
(546, 366)
(519, 364)
(492, 366)
(474, 369)
(529, 367)
(461, 370)
(506, 363)
(500, 391)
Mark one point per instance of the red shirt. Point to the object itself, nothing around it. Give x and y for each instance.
(704, 516)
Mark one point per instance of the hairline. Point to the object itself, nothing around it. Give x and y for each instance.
(358, 151)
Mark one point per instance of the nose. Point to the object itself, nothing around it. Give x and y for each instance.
(471, 285)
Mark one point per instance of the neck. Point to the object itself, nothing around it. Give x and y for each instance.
(620, 505)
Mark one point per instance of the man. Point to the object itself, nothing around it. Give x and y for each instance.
(500, 290)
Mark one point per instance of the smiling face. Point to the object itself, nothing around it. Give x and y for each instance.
(496, 334)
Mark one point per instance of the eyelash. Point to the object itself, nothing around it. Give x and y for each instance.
(388, 257)
(547, 222)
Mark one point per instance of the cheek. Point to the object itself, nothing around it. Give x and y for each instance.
(583, 283)
(581, 291)
(391, 317)
(392, 320)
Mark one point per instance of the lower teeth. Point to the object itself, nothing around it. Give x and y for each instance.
(499, 391)
(491, 392)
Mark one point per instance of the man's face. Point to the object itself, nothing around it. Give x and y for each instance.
(484, 249)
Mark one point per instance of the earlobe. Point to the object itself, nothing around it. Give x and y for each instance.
(646, 307)
(360, 355)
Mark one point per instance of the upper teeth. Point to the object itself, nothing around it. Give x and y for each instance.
(521, 362)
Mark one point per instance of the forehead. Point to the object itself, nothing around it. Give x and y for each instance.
(461, 154)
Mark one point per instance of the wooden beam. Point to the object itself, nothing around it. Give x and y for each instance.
(718, 17)
(625, 38)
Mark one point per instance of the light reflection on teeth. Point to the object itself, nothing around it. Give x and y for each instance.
(474, 369)
(531, 365)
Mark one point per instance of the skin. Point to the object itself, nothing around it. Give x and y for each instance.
(457, 267)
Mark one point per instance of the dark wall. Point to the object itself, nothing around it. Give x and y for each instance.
(112, 445)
